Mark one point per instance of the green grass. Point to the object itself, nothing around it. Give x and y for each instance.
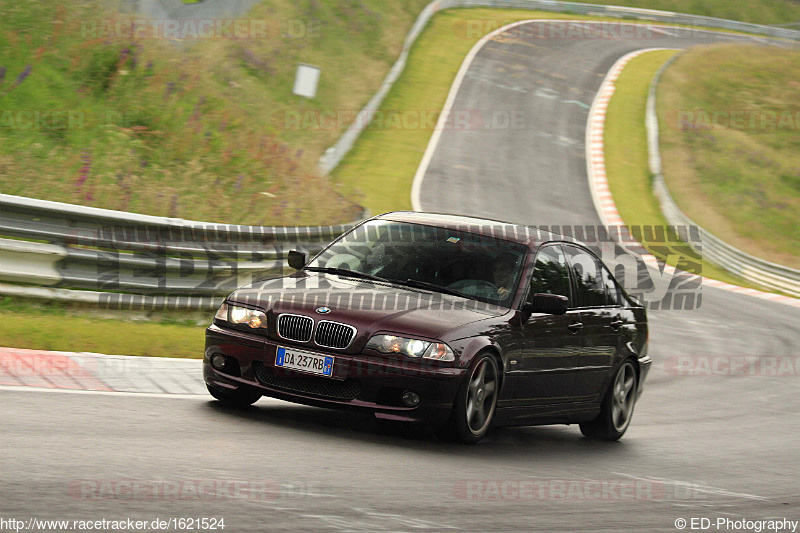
(757, 12)
(730, 137)
(58, 327)
(626, 155)
(201, 130)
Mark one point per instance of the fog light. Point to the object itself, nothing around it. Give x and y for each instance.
(218, 361)
(410, 398)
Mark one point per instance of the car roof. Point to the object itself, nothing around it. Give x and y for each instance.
(528, 235)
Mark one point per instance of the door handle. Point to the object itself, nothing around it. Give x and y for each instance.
(616, 324)
(576, 327)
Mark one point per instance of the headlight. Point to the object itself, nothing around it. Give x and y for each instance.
(411, 347)
(222, 312)
(242, 315)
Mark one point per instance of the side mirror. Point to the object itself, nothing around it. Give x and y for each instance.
(297, 260)
(551, 304)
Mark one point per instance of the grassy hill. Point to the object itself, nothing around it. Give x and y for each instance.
(94, 113)
(730, 117)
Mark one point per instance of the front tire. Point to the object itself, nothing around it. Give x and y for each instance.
(239, 398)
(476, 401)
(617, 409)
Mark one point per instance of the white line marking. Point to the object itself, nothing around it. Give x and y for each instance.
(695, 487)
(22, 388)
(663, 31)
(546, 92)
(578, 103)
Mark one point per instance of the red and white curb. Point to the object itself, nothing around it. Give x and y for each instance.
(601, 193)
(70, 371)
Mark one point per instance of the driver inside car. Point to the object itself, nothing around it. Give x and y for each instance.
(503, 271)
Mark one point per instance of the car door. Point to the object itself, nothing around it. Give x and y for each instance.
(545, 366)
(600, 313)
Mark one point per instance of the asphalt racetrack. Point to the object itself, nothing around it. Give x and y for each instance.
(715, 444)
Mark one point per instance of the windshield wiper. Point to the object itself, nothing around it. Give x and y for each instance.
(409, 282)
(348, 273)
(432, 287)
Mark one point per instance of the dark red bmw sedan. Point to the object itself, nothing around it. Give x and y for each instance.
(458, 322)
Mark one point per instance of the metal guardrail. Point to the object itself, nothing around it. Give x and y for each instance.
(716, 250)
(334, 155)
(126, 260)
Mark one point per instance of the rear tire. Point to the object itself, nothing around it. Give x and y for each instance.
(616, 411)
(239, 398)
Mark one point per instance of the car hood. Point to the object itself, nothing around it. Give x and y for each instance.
(369, 306)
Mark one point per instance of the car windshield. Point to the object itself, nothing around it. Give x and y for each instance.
(457, 262)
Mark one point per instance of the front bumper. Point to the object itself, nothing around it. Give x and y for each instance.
(362, 382)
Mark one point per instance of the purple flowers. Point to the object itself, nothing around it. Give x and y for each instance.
(126, 191)
(128, 55)
(2, 74)
(83, 175)
(196, 111)
(260, 64)
(173, 207)
(278, 210)
(170, 88)
(24, 74)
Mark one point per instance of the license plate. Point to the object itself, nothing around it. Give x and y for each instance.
(321, 365)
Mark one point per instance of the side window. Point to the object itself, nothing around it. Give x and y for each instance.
(588, 280)
(550, 274)
(613, 296)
